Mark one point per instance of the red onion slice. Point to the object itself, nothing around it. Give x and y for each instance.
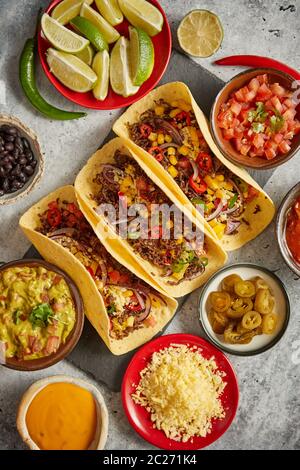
(216, 212)
(170, 144)
(167, 126)
(195, 168)
(231, 226)
(147, 309)
(68, 231)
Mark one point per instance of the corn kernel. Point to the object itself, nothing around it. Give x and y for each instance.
(128, 293)
(173, 160)
(219, 230)
(184, 105)
(152, 136)
(171, 151)
(219, 194)
(210, 206)
(172, 170)
(174, 112)
(184, 150)
(160, 139)
(172, 252)
(174, 104)
(227, 185)
(159, 110)
(213, 223)
(211, 182)
(179, 241)
(220, 177)
(168, 138)
(209, 191)
(130, 320)
(154, 143)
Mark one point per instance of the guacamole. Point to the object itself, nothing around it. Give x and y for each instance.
(37, 312)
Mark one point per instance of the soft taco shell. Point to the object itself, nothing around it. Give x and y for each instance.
(93, 302)
(85, 187)
(258, 220)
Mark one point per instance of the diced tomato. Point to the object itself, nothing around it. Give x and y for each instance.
(229, 134)
(270, 153)
(252, 193)
(236, 107)
(238, 144)
(284, 146)
(225, 119)
(254, 84)
(250, 96)
(262, 78)
(277, 89)
(289, 114)
(58, 306)
(145, 130)
(276, 103)
(288, 103)
(149, 321)
(90, 271)
(240, 94)
(258, 140)
(52, 344)
(278, 138)
(114, 276)
(245, 149)
(239, 132)
(124, 278)
(264, 93)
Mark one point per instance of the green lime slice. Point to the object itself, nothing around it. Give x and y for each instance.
(90, 31)
(141, 52)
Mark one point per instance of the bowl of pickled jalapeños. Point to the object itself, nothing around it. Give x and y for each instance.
(244, 309)
(21, 160)
(41, 315)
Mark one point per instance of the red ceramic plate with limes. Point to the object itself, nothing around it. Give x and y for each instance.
(139, 417)
(162, 43)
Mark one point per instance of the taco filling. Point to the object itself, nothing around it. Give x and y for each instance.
(170, 133)
(179, 255)
(130, 303)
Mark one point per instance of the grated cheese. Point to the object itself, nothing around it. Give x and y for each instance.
(181, 391)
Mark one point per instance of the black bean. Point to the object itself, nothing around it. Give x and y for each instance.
(9, 129)
(5, 152)
(22, 161)
(1, 147)
(15, 152)
(19, 143)
(2, 192)
(2, 172)
(5, 185)
(5, 160)
(33, 163)
(9, 146)
(16, 171)
(22, 177)
(17, 184)
(25, 143)
(29, 170)
(9, 138)
(8, 167)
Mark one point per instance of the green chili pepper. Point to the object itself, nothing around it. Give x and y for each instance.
(27, 80)
(232, 201)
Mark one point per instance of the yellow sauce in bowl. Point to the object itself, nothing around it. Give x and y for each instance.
(62, 416)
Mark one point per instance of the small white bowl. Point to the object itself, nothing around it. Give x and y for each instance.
(102, 414)
(259, 343)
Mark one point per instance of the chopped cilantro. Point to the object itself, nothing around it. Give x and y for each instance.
(41, 315)
(111, 309)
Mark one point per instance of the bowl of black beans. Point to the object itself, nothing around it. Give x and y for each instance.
(21, 160)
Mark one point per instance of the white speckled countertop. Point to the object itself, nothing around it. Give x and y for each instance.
(269, 410)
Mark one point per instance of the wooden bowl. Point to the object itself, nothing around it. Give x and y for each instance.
(102, 414)
(36, 149)
(72, 339)
(225, 146)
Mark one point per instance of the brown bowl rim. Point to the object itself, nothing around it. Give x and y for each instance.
(74, 335)
(269, 164)
(37, 176)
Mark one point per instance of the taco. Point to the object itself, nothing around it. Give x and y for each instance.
(170, 135)
(179, 261)
(125, 311)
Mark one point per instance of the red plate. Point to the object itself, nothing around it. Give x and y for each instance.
(139, 418)
(162, 46)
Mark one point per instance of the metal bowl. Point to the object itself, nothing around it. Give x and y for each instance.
(281, 219)
(36, 149)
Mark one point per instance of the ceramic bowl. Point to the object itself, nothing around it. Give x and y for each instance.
(72, 339)
(259, 343)
(225, 146)
(100, 438)
(36, 149)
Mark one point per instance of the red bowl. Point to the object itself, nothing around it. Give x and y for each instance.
(162, 43)
(139, 418)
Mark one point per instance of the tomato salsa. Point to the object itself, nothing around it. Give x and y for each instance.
(259, 119)
(292, 231)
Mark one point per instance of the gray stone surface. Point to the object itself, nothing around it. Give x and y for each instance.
(268, 415)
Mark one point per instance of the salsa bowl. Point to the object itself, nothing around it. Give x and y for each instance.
(41, 331)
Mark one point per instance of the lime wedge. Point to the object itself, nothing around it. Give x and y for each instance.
(101, 68)
(66, 10)
(143, 15)
(141, 53)
(110, 10)
(86, 55)
(200, 33)
(90, 31)
(61, 37)
(71, 71)
(119, 69)
(109, 33)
